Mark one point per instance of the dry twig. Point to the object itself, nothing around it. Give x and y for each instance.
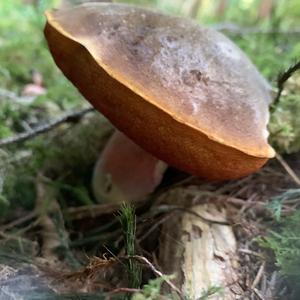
(258, 276)
(250, 252)
(156, 272)
(50, 236)
(154, 226)
(288, 169)
(282, 79)
(19, 221)
(71, 117)
(96, 210)
(124, 290)
(258, 294)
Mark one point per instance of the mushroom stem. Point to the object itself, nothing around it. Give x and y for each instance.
(125, 172)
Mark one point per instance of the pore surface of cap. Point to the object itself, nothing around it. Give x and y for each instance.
(148, 71)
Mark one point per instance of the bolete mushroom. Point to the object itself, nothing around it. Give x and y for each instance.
(182, 92)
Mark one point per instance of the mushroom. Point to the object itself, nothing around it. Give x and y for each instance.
(125, 172)
(178, 90)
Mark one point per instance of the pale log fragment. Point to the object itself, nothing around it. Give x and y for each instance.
(201, 253)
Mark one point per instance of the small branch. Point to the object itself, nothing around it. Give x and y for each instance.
(282, 79)
(258, 276)
(288, 169)
(153, 227)
(19, 221)
(258, 294)
(53, 231)
(71, 117)
(190, 211)
(124, 290)
(49, 231)
(96, 210)
(250, 252)
(156, 272)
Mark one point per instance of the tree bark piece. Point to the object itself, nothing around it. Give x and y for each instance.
(202, 254)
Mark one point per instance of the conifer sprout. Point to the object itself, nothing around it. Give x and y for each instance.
(182, 92)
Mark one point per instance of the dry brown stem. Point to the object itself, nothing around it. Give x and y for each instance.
(157, 273)
(70, 117)
(288, 169)
(50, 236)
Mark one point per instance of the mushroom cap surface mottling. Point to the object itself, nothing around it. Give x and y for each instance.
(192, 73)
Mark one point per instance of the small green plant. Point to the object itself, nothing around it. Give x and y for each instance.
(212, 290)
(152, 290)
(128, 223)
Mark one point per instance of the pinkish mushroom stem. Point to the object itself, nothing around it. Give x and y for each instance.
(125, 172)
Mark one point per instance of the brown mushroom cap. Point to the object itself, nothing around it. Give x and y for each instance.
(184, 92)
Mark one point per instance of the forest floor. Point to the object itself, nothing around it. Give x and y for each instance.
(57, 242)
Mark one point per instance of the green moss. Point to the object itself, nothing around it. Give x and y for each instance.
(23, 50)
(285, 122)
(285, 125)
(284, 240)
(23, 47)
